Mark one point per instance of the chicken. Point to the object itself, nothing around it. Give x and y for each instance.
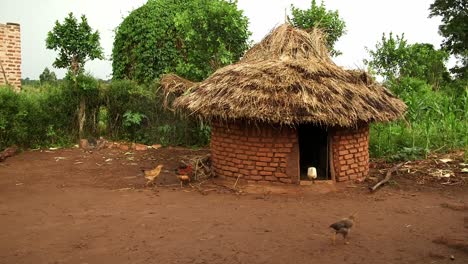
(183, 179)
(152, 175)
(343, 227)
(184, 170)
(312, 173)
(183, 173)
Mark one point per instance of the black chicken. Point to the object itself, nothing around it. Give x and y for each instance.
(343, 227)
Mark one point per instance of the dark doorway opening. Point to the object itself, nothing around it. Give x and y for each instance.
(313, 151)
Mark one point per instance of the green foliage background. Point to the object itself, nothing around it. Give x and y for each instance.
(41, 116)
(136, 113)
(36, 117)
(437, 114)
(318, 16)
(75, 42)
(189, 38)
(47, 76)
(394, 58)
(435, 121)
(454, 29)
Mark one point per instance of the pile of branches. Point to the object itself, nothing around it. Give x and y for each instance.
(445, 169)
(201, 166)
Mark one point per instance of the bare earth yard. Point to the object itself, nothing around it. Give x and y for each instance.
(71, 206)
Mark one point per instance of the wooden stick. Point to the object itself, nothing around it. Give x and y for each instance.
(331, 162)
(4, 75)
(235, 184)
(388, 176)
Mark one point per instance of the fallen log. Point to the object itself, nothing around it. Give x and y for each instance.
(8, 152)
(388, 176)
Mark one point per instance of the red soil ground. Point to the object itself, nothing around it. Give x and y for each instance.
(71, 206)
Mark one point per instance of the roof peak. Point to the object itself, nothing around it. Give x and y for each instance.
(286, 41)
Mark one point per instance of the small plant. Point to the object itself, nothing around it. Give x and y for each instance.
(103, 120)
(165, 133)
(50, 133)
(132, 119)
(408, 154)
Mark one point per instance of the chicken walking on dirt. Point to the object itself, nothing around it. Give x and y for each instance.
(152, 175)
(343, 227)
(183, 179)
(183, 173)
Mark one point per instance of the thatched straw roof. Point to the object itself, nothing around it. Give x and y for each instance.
(287, 78)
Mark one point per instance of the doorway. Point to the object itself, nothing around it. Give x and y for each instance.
(313, 151)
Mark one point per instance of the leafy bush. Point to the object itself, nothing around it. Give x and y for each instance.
(435, 121)
(318, 16)
(135, 112)
(393, 59)
(437, 103)
(36, 117)
(122, 110)
(190, 38)
(86, 91)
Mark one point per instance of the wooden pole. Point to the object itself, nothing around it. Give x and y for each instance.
(330, 156)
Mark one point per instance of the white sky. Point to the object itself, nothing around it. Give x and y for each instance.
(366, 20)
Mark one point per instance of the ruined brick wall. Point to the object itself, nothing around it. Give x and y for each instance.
(350, 148)
(259, 153)
(10, 55)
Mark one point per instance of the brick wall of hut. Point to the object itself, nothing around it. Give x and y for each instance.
(257, 153)
(269, 153)
(350, 148)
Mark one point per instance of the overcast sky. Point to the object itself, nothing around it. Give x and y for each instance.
(366, 20)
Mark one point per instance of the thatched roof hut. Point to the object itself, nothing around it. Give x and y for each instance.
(288, 78)
(286, 84)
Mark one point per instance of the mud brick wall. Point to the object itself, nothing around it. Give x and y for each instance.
(350, 148)
(256, 153)
(10, 55)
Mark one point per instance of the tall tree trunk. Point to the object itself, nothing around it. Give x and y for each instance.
(82, 116)
(75, 68)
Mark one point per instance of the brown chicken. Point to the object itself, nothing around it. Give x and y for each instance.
(183, 179)
(152, 175)
(183, 173)
(184, 170)
(343, 227)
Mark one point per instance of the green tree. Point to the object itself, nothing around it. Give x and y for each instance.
(318, 16)
(454, 29)
(47, 76)
(426, 63)
(389, 56)
(393, 58)
(28, 82)
(190, 38)
(76, 44)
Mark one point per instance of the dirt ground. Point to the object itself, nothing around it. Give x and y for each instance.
(72, 206)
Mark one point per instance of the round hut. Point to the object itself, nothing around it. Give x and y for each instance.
(286, 107)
